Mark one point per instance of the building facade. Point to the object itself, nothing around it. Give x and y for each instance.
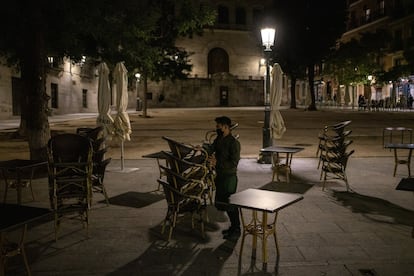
(397, 17)
(226, 70)
(226, 59)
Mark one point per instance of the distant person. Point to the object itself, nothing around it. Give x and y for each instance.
(410, 101)
(361, 102)
(225, 156)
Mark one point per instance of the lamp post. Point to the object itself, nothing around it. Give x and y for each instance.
(139, 102)
(268, 38)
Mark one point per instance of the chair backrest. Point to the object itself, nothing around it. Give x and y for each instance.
(185, 168)
(187, 186)
(175, 179)
(338, 127)
(99, 155)
(345, 158)
(91, 133)
(70, 147)
(172, 145)
(212, 134)
(187, 152)
(99, 171)
(339, 160)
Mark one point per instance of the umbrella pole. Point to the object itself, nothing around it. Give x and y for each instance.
(122, 155)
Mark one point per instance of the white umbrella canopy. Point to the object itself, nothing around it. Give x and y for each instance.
(276, 120)
(104, 101)
(122, 125)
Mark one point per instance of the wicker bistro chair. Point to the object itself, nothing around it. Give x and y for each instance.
(179, 203)
(335, 168)
(92, 133)
(96, 135)
(332, 131)
(10, 249)
(187, 152)
(193, 171)
(210, 135)
(98, 175)
(70, 177)
(197, 155)
(191, 186)
(331, 142)
(333, 150)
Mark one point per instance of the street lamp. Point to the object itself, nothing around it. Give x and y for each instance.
(268, 38)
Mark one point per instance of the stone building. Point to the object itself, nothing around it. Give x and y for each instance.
(226, 70)
(369, 16)
(226, 59)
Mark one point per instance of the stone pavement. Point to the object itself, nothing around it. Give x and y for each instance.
(330, 232)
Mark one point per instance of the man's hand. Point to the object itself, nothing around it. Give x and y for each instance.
(212, 160)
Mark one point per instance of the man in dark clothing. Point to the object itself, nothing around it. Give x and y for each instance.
(225, 155)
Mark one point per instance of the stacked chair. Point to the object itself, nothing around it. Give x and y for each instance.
(96, 135)
(194, 155)
(183, 195)
(70, 177)
(187, 185)
(333, 152)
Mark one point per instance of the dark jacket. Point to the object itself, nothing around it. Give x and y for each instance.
(227, 152)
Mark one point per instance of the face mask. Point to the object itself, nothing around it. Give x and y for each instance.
(219, 132)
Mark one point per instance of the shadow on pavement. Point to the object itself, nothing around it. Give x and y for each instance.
(178, 257)
(134, 199)
(374, 208)
(295, 185)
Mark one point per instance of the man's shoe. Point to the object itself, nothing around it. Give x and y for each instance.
(233, 234)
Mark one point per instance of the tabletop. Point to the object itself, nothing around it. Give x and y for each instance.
(406, 184)
(399, 146)
(282, 149)
(158, 155)
(263, 200)
(14, 215)
(21, 163)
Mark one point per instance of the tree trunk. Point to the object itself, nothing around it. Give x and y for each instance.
(293, 92)
(144, 108)
(311, 76)
(34, 102)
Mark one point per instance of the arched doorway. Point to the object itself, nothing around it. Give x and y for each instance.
(218, 61)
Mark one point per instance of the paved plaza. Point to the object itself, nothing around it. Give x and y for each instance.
(330, 232)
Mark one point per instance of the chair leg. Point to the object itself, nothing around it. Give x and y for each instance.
(57, 222)
(324, 182)
(348, 188)
(26, 263)
(87, 222)
(6, 187)
(105, 194)
(201, 214)
(30, 183)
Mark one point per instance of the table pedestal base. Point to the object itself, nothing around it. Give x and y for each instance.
(259, 228)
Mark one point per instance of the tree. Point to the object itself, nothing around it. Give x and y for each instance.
(354, 61)
(109, 30)
(310, 29)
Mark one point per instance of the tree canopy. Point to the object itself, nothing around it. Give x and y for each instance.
(141, 33)
(307, 30)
